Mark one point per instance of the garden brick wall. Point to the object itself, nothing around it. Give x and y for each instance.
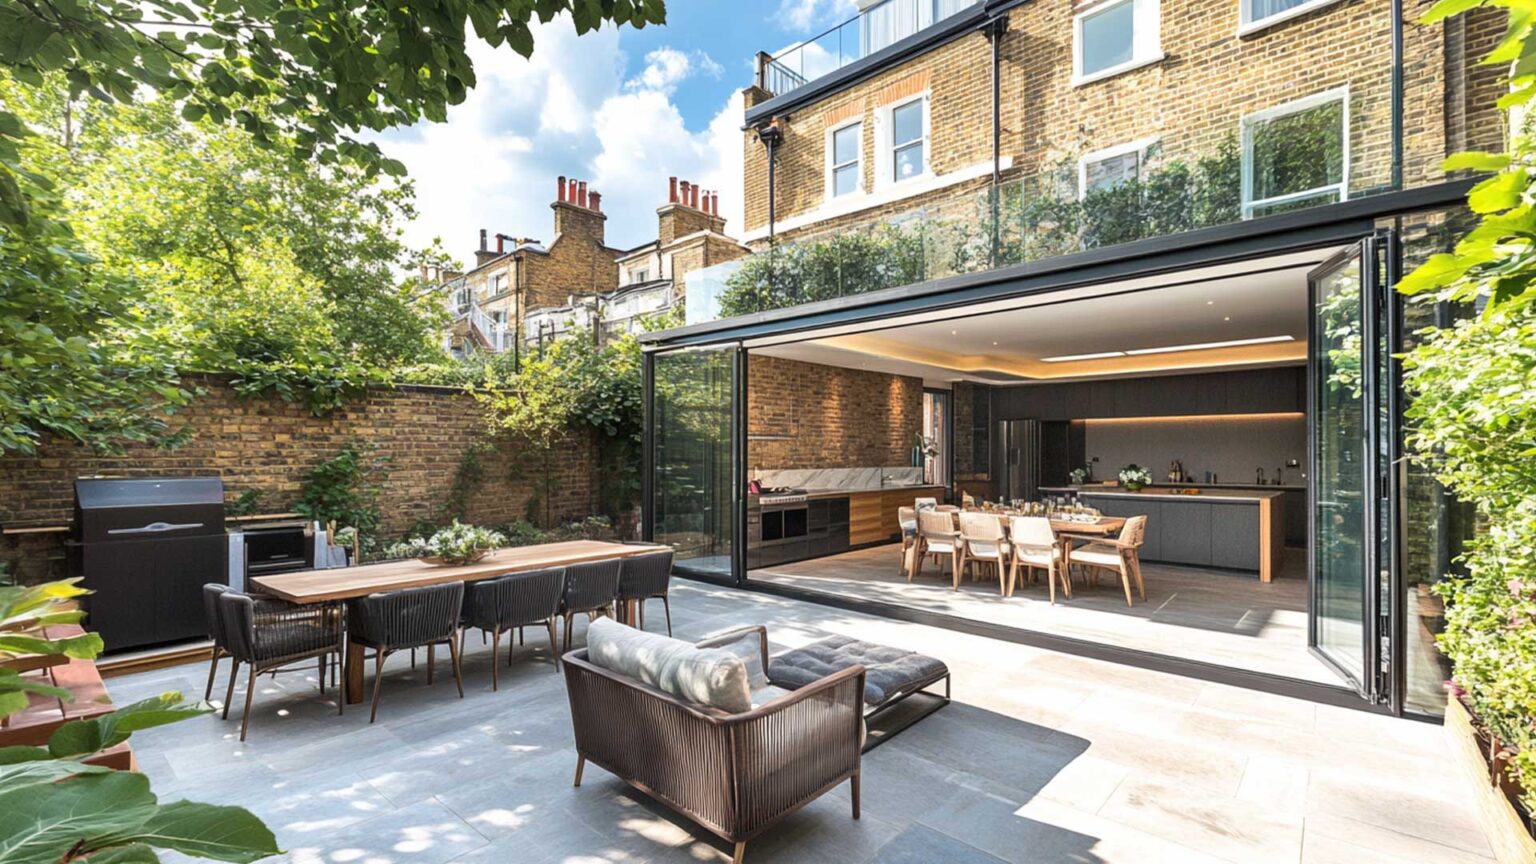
(831, 417)
(270, 445)
(1190, 101)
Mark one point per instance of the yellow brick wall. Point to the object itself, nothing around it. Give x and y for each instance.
(1191, 101)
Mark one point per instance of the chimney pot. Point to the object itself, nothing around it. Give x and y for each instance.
(597, 201)
(561, 189)
(672, 190)
(694, 201)
(482, 239)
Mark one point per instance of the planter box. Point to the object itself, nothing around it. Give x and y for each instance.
(1506, 831)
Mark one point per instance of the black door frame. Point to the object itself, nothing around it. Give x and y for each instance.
(1381, 678)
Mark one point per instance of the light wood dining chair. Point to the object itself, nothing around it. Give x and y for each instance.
(1034, 547)
(936, 535)
(906, 517)
(1121, 555)
(985, 542)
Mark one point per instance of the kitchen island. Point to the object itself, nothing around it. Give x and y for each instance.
(1231, 529)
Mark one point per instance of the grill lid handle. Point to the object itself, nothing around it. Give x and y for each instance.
(156, 528)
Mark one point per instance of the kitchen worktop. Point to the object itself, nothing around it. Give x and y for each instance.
(838, 493)
(1207, 493)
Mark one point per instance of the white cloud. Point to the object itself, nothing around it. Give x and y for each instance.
(805, 14)
(665, 68)
(566, 111)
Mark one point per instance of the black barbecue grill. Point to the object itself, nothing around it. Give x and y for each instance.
(145, 547)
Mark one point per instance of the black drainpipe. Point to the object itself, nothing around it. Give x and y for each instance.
(994, 29)
(1397, 95)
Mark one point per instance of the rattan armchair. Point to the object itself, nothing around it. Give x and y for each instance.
(409, 618)
(268, 635)
(733, 774)
(515, 601)
(647, 577)
(590, 589)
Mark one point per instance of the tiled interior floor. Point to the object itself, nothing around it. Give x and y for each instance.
(1221, 617)
(1043, 757)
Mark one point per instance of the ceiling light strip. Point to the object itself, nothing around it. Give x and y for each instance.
(1205, 346)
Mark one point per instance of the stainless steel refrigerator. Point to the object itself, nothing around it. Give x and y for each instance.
(1016, 453)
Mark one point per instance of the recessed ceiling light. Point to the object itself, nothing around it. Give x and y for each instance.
(994, 344)
(1067, 358)
(1210, 302)
(1202, 346)
(1228, 318)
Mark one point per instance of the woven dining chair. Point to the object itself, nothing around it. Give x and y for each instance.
(1035, 546)
(647, 577)
(984, 541)
(269, 635)
(409, 618)
(213, 626)
(936, 535)
(515, 600)
(1121, 555)
(906, 518)
(590, 589)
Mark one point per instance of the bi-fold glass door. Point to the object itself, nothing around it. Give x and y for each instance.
(692, 470)
(1352, 554)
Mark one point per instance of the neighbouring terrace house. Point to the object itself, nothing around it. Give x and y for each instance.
(1004, 250)
(492, 301)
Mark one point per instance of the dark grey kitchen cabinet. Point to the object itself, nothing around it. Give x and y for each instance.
(1235, 535)
(1186, 533)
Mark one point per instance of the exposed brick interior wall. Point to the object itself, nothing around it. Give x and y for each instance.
(1190, 101)
(832, 417)
(270, 445)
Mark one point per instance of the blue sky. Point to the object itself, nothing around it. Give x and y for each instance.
(622, 109)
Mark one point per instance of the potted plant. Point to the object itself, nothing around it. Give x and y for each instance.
(457, 544)
(1134, 477)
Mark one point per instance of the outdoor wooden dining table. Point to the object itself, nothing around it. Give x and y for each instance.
(330, 586)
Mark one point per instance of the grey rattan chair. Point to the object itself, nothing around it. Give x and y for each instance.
(646, 577)
(409, 618)
(213, 621)
(515, 601)
(268, 635)
(590, 589)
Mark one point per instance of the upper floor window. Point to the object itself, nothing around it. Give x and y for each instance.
(845, 163)
(1113, 37)
(909, 139)
(1296, 155)
(1258, 14)
(885, 23)
(498, 284)
(638, 276)
(1105, 169)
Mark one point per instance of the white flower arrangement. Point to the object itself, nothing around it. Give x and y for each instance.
(457, 544)
(1134, 476)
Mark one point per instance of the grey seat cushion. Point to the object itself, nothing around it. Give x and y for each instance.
(887, 671)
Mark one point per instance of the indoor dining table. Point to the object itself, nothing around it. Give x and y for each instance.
(346, 583)
(1066, 530)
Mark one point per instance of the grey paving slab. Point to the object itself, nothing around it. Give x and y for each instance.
(1042, 757)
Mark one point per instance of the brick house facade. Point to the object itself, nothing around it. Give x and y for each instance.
(1209, 73)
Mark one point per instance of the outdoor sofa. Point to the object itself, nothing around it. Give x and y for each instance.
(698, 727)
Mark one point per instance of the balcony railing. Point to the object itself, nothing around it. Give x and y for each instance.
(873, 29)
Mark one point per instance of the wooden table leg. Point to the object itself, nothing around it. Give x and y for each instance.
(354, 683)
(628, 612)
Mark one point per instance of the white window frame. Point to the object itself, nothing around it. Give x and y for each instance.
(1139, 146)
(639, 274)
(495, 284)
(1247, 25)
(885, 143)
(1295, 106)
(1146, 39)
(830, 167)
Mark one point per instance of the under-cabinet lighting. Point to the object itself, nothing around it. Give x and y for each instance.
(1202, 346)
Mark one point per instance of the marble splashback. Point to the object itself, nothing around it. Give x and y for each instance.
(843, 478)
